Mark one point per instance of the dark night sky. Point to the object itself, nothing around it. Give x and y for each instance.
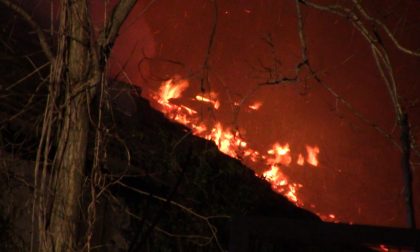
(360, 177)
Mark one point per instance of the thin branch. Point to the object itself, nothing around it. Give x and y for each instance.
(385, 69)
(304, 55)
(304, 48)
(169, 234)
(27, 76)
(30, 20)
(204, 78)
(386, 29)
(25, 108)
(408, 175)
(110, 33)
(182, 207)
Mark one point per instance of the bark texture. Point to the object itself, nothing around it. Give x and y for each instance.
(84, 61)
(70, 160)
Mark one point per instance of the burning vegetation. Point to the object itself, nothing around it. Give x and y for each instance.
(89, 163)
(232, 143)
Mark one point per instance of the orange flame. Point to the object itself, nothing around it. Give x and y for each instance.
(274, 174)
(230, 142)
(301, 160)
(312, 155)
(255, 106)
(171, 90)
(212, 99)
(279, 183)
(281, 154)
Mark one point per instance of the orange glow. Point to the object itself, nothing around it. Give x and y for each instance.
(280, 184)
(230, 142)
(281, 155)
(301, 160)
(312, 157)
(212, 99)
(274, 174)
(255, 106)
(172, 90)
(383, 248)
(291, 194)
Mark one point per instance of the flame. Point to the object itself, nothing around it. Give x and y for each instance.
(212, 99)
(312, 155)
(281, 154)
(255, 106)
(230, 142)
(171, 90)
(301, 160)
(280, 183)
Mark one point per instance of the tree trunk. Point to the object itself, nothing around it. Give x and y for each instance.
(66, 207)
(70, 159)
(77, 67)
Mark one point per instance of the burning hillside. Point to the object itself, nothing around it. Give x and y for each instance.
(248, 109)
(348, 118)
(266, 164)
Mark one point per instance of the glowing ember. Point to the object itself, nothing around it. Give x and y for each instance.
(383, 248)
(231, 143)
(211, 99)
(255, 106)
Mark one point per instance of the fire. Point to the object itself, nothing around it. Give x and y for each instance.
(281, 155)
(230, 142)
(280, 184)
(312, 155)
(211, 99)
(274, 174)
(223, 138)
(301, 160)
(255, 106)
(171, 90)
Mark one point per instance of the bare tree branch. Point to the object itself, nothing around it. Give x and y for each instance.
(110, 33)
(184, 208)
(304, 55)
(205, 77)
(385, 69)
(30, 20)
(385, 28)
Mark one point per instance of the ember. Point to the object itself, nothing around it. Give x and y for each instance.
(255, 106)
(212, 99)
